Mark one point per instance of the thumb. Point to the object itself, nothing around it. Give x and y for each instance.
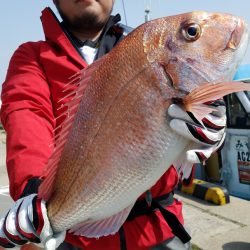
(54, 242)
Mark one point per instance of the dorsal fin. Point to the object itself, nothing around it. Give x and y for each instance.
(80, 80)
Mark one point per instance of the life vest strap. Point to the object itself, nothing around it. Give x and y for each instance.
(161, 203)
(173, 222)
(142, 207)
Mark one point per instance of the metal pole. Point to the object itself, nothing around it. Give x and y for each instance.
(147, 11)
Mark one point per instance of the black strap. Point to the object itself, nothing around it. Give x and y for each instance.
(123, 245)
(141, 207)
(175, 225)
(31, 187)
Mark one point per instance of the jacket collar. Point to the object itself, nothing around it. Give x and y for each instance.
(110, 23)
(54, 33)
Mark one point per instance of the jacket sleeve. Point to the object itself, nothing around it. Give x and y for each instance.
(27, 116)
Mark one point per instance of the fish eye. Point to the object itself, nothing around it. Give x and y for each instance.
(191, 32)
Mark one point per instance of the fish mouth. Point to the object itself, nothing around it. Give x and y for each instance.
(238, 43)
(237, 35)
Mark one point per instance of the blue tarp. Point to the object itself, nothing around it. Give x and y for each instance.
(243, 73)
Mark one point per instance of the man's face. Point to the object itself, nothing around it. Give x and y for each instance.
(84, 14)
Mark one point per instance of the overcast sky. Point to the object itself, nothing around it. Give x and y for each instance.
(20, 22)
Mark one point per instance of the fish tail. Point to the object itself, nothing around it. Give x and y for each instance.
(194, 101)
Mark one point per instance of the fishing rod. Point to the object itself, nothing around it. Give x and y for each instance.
(124, 11)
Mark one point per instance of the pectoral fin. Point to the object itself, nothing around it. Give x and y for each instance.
(193, 102)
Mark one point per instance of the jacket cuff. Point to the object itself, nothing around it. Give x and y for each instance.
(31, 187)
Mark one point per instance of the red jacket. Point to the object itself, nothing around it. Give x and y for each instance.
(30, 94)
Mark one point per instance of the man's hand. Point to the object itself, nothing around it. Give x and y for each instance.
(208, 136)
(27, 221)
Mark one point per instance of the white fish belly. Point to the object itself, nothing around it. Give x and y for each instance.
(130, 170)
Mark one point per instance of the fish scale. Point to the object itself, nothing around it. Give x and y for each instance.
(106, 131)
(120, 142)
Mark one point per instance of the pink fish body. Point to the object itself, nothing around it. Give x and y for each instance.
(116, 142)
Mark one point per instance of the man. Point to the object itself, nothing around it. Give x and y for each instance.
(33, 86)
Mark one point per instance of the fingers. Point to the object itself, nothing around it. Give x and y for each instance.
(9, 226)
(35, 225)
(43, 225)
(207, 132)
(216, 120)
(175, 111)
(214, 123)
(17, 227)
(196, 133)
(201, 155)
(9, 236)
(27, 220)
(50, 244)
(4, 241)
(55, 241)
(219, 111)
(24, 220)
(206, 136)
